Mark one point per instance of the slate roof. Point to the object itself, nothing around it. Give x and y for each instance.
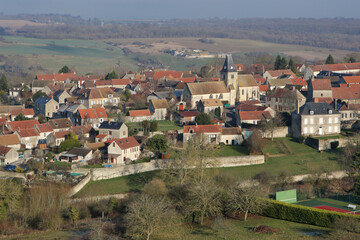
(42, 100)
(125, 143)
(111, 125)
(229, 65)
(207, 88)
(247, 80)
(319, 108)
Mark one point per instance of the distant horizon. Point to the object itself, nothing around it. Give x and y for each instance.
(121, 10)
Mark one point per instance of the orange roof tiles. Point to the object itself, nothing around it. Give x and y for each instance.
(171, 74)
(45, 127)
(25, 112)
(26, 124)
(202, 129)
(138, 113)
(125, 143)
(61, 134)
(28, 132)
(57, 76)
(92, 113)
(187, 80)
(335, 67)
(264, 88)
(352, 79)
(321, 84)
(299, 81)
(278, 73)
(352, 92)
(101, 136)
(255, 115)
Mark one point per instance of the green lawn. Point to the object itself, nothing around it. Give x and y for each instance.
(227, 151)
(328, 137)
(231, 229)
(163, 125)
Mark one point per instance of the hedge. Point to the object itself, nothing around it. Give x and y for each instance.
(302, 214)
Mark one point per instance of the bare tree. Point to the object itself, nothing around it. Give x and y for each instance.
(146, 215)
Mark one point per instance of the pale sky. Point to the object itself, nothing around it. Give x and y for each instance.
(169, 9)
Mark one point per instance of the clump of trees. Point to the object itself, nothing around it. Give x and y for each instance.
(71, 141)
(203, 119)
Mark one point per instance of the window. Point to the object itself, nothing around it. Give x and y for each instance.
(124, 132)
(330, 119)
(232, 76)
(305, 130)
(335, 120)
(305, 121)
(242, 92)
(321, 120)
(311, 121)
(113, 144)
(335, 128)
(110, 132)
(311, 130)
(330, 129)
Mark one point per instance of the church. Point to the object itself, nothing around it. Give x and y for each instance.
(232, 87)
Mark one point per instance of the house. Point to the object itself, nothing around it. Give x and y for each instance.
(83, 131)
(239, 67)
(282, 73)
(139, 115)
(100, 97)
(28, 137)
(346, 94)
(212, 133)
(69, 111)
(15, 91)
(349, 112)
(278, 83)
(194, 92)
(56, 138)
(349, 80)
(340, 68)
(315, 119)
(60, 124)
(248, 88)
(44, 130)
(158, 108)
(60, 96)
(110, 130)
(37, 86)
(93, 116)
(27, 112)
(300, 82)
(252, 117)
(77, 155)
(59, 77)
(285, 100)
(20, 125)
(121, 149)
(319, 89)
(231, 136)
(186, 117)
(10, 140)
(8, 155)
(5, 110)
(210, 105)
(46, 106)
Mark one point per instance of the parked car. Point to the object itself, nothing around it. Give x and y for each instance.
(9, 167)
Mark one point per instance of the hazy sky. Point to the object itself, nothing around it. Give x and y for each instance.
(167, 9)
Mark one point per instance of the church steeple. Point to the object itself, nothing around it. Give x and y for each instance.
(229, 65)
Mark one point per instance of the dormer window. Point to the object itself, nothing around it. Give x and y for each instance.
(330, 111)
(311, 112)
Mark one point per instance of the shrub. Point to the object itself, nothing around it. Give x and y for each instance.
(301, 214)
(301, 139)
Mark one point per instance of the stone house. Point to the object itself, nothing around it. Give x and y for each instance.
(119, 150)
(93, 116)
(139, 115)
(285, 100)
(8, 155)
(110, 130)
(349, 112)
(281, 73)
(211, 132)
(44, 130)
(69, 111)
(278, 83)
(319, 89)
(26, 112)
(194, 92)
(56, 138)
(159, 108)
(252, 117)
(186, 117)
(46, 106)
(315, 119)
(60, 124)
(100, 97)
(247, 87)
(60, 96)
(231, 136)
(209, 105)
(28, 137)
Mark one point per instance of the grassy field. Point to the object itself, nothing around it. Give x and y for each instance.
(98, 56)
(227, 151)
(163, 125)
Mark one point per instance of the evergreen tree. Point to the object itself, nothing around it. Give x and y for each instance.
(64, 69)
(112, 75)
(4, 83)
(329, 60)
(277, 62)
(283, 63)
(292, 66)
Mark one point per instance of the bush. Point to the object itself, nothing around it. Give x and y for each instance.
(301, 139)
(334, 145)
(301, 214)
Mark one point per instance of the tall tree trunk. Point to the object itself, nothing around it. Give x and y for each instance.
(245, 216)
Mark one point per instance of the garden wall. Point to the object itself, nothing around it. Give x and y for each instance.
(278, 132)
(326, 144)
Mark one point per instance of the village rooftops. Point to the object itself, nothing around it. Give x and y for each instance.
(207, 88)
(321, 108)
(125, 143)
(202, 129)
(138, 113)
(60, 123)
(91, 113)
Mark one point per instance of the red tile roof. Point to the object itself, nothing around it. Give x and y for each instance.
(299, 81)
(251, 102)
(352, 92)
(28, 132)
(4, 150)
(202, 129)
(45, 127)
(321, 84)
(168, 74)
(335, 67)
(26, 124)
(121, 82)
(264, 88)
(61, 134)
(101, 136)
(25, 112)
(57, 76)
(189, 113)
(187, 80)
(255, 115)
(239, 67)
(324, 99)
(79, 130)
(138, 113)
(352, 79)
(250, 107)
(260, 80)
(125, 143)
(92, 113)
